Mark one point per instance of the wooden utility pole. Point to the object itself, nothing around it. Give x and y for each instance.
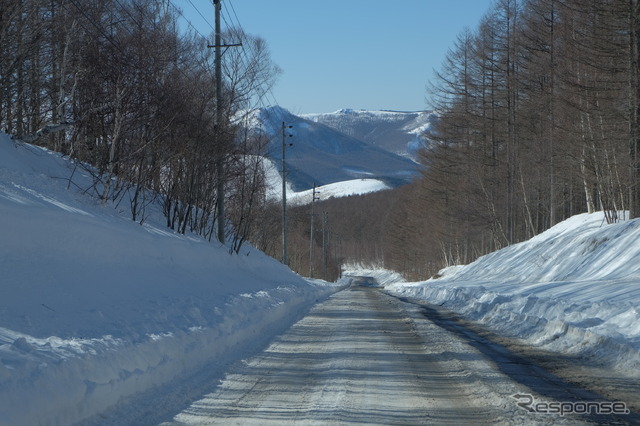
(325, 221)
(218, 122)
(313, 201)
(285, 257)
(218, 125)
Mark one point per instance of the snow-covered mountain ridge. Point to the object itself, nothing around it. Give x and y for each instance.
(322, 155)
(400, 132)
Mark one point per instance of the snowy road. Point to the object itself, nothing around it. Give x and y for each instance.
(365, 357)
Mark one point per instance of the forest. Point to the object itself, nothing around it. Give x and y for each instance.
(117, 86)
(538, 120)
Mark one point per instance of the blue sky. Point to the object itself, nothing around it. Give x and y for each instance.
(359, 54)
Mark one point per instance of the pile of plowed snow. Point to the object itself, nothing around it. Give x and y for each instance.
(574, 289)
(96, 308)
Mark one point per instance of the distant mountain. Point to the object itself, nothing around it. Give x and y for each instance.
(395, 131)
(322, 155)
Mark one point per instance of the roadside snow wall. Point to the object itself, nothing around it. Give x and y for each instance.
(572, 289)
(54, 381)
(96, 308)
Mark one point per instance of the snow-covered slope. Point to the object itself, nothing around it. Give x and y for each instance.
(95, 308)
(321, 155)
(324, 192)
(338, 189)
(396, 131)
(574, 288)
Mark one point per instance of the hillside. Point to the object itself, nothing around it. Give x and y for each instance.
(322, 155)
(323, 192)
(96, 309)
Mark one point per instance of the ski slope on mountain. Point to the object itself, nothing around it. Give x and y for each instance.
(96, 309)
(574, 289)
(324, 192)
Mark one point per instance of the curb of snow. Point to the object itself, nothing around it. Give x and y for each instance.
(75, 379)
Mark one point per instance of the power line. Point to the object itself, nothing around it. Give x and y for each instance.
(266, 98)
(180, 13)
(268, 94)
(201, 15)
(231, 21)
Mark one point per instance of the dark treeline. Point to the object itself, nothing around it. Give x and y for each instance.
(114, 84)
(352, 229)
(371, 230)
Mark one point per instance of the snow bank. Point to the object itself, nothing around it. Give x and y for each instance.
(95, 308)
(574, 289)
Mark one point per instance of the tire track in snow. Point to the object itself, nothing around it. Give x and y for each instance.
(354, 358)
(366, 357)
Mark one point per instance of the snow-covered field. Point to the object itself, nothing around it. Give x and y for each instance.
(572, 289)
(96, 309)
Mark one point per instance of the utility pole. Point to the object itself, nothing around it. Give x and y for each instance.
(217, 127)
(313, 200)
(285, 257)
(325, 221)
(218, 122)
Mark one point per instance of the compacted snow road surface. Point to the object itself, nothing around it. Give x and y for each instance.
(365, 357)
